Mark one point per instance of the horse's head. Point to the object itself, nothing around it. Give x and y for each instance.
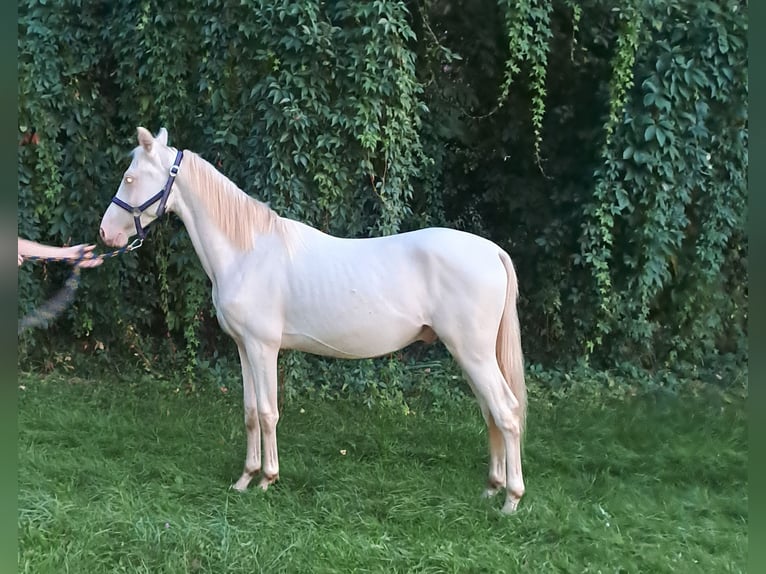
(144, 192)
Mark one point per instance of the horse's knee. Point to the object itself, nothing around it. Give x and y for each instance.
(268, 421)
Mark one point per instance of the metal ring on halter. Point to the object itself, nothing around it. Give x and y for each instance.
(135, 244)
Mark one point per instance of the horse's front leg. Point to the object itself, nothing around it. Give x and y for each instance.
(263, 363)
(252, 425)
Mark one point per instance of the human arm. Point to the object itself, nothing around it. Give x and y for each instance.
(29, 248)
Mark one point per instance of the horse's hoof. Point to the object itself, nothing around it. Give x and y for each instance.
(491, 491)
(267, 481)
(510, 506)
(243, 482)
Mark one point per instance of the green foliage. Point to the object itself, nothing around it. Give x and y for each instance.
(528, 25)
(322, 122)
(630, 244)
(603, 144)
(668, 214)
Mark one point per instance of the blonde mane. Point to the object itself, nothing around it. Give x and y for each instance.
(239, 216)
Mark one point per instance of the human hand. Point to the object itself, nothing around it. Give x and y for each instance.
(89, 259)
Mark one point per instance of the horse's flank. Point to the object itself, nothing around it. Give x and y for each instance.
(240, 217)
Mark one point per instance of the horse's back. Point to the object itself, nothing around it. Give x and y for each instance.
(423, 256)
(443, 242)
(444, 257)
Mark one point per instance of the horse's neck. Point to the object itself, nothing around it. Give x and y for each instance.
(219, 243)
(214, 250)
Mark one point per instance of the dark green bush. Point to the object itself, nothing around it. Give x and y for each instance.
(603, 144)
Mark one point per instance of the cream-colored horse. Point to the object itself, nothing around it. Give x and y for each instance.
(280, 284)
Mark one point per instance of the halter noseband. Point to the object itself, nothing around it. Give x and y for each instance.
(161, 196)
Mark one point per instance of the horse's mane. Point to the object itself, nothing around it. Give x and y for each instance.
(239, 216)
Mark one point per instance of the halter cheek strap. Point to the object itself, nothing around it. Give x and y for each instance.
(161, 196)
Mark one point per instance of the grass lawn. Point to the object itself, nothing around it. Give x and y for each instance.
(134, 478)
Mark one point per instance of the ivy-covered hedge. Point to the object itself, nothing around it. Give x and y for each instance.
(603, 144)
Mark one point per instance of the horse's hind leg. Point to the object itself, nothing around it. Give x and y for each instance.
(491, 389)
(252, 425)
(496, 480)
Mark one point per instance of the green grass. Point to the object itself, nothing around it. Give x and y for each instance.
(134, 478)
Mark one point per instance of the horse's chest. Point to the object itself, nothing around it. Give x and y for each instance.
(224, 312)
(241, 310)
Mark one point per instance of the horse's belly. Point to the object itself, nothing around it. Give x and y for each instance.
(354, 337)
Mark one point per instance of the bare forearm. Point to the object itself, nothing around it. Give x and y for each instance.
(29, 248)
(82, 255)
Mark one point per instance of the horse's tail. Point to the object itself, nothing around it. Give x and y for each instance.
(509, 354)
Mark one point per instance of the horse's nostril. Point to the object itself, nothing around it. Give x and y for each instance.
(102, 234)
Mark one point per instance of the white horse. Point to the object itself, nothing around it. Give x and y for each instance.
(280, 284)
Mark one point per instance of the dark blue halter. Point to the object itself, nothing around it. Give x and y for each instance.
(161, 196)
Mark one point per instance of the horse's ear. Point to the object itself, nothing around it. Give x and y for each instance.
(162, 136)
(145, 139)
